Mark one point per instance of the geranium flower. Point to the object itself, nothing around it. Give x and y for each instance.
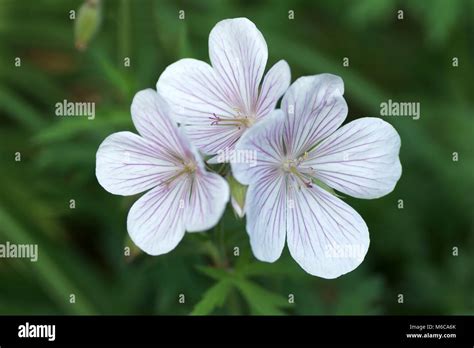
(183, 195)
(217, 104)
(301, 154)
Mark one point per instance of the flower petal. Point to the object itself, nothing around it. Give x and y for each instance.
(213, 139)
(239, 54)
(127, 164)
(266, 216)
(156, 221)
(193, 91)
(207, 201)
(274, 85)
(359, 159)
(196, 94)
(151, 116)
(260, 150)
(315, 109)
(325, 235)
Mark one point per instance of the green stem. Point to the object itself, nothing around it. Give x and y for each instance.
(222, 245)
(124, 30)
(213, 252)
(233, 301)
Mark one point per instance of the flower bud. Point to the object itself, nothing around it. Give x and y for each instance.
(237, 192)
(86, 23)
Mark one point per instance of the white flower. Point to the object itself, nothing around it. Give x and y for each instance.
(217, 104)
(183, 196)
(300, 154)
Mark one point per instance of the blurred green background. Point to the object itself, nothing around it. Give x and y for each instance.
(81, 250)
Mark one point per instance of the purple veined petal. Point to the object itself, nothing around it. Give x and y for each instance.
(209, 194)
(266, 208)
(198, 98)
(360, 159)
(156, 222)
(195, 92)
(217, 104)
(127, 164)
(260, 150)
(211, 139)
(239, 54)
(275, 84)
(151, 116)
(315, 108)
(325, 235)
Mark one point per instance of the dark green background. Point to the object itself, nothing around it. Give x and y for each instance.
(81, 250)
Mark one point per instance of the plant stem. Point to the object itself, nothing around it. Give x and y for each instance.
(124, 30)
(222, 245)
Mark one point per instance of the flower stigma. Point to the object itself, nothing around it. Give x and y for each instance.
(188, 168)
(239, 120)
(304, 175)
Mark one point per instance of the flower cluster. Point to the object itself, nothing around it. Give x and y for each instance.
(299, 154)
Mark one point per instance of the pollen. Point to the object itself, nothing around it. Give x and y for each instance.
(303, 175)
(189, 167)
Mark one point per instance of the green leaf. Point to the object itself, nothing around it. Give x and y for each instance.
(65, 129)
(213, 298)
(51, 274)
(215, 273)
(116, 77)
(260, 300)
(359, 297)
(362, 13)
(18, 108)
(285, 267)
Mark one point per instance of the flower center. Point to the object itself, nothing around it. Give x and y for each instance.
(291, 166)
(189, 167)
(239, 120)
